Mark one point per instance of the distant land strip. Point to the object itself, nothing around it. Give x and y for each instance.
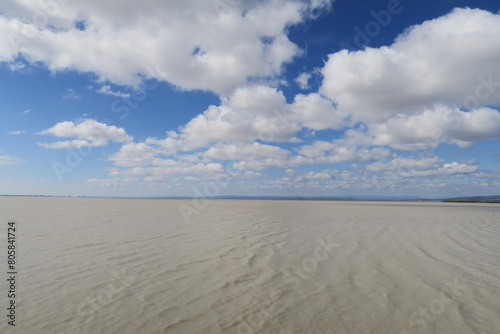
(470, 201)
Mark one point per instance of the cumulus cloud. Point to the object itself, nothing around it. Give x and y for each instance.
(167, 174)
(253, 151)
(321, 152)
(406, 96)
(440, 124)
(87, 132)
(303, 80)
(106, 89)
(421, 68)
(315, 112)
(230, 131)
(135, 155)
(405, 164)
(255, 112)
(253, 156)
(299, 180)
(163, 172)
(354, 146)
(431, 166)
(317, 175)
(196, 44)
(409, 98)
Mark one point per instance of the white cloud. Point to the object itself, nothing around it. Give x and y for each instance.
(431, 166)
(8, 160)
(316, 149)
(454, 58)
(135, 155)
(167, 174)
(317, 113)
(353, 147)
(230, 131)
(441, 124)
(67, 144)
(254, 156)
(249, 174)
(255, 112)
(317, 175)
(406, 95)
(195, 44)
(164, 172)
(111, 182)
(423, 130)
(457, 168)
(16, 66)
(71, 94)
(27, 111)
(106, 89)
(253, 151)
(304, 180)
(303, 80)
(88, 132)
(405, 164)
(19, 132)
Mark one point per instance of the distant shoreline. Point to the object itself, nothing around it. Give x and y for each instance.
(471, 201)
(298, 198)
(476, 199)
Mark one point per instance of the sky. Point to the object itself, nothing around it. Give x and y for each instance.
(205, 98)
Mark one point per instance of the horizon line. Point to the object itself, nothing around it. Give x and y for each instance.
(277, 197)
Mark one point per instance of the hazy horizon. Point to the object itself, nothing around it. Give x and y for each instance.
(278, 197)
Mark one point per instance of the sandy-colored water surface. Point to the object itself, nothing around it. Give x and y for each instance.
(88, 265)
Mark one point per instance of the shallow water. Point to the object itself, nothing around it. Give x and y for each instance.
(88, 265)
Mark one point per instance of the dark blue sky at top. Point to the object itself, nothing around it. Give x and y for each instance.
(332, 32)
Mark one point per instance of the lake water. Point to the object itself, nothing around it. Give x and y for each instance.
(90, 265)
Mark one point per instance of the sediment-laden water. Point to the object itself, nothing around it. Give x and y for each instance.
(89, 265)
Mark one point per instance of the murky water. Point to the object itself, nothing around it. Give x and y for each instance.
(133, 266)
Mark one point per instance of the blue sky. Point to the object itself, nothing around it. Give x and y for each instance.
(232, 97)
